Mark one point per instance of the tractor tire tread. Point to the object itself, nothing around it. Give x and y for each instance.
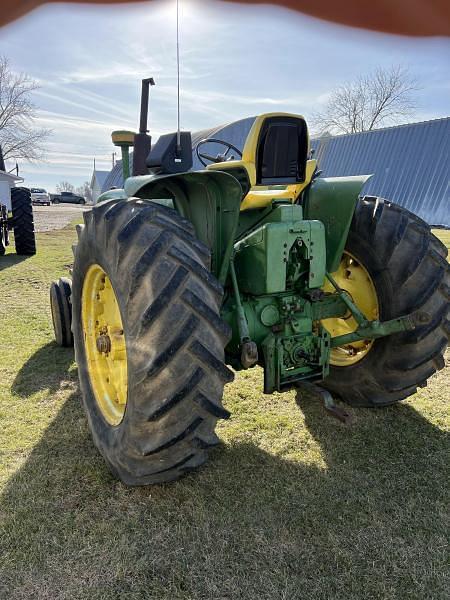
(23, 221)
(61, 308)
(410, 271)
(176, 370)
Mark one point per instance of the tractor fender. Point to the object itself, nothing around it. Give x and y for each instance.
(333, 200)
(210, 200)
(117, 194)
(150, 186)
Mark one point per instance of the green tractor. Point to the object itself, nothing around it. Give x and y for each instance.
(255, 260)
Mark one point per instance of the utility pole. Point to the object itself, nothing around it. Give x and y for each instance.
(113, 160)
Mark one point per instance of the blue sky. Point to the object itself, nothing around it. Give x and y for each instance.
(236, 61)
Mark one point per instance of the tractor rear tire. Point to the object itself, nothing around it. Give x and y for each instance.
(22, 221)
(408, 267)
(169, 305)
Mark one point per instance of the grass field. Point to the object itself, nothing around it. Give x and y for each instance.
(293, 505)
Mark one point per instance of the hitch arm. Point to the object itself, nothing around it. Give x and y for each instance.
(371, 330)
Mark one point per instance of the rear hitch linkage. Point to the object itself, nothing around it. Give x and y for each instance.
(374, 329)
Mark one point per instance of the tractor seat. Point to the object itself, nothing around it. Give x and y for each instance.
(274, 164)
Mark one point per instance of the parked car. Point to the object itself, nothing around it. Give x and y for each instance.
(67, 197)
(40, 196)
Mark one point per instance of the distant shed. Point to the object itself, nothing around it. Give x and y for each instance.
(97, 182)
(7, 181)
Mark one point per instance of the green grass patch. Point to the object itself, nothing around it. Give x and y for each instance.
(293, 505)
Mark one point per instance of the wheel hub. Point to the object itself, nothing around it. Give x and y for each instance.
(352, 277)
(104, 344)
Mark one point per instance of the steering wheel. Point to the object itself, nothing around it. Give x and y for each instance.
(202, 157)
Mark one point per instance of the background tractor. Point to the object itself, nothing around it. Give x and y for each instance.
(255, 260)
(16, 213)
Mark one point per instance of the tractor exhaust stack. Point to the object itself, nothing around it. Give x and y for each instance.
(143, 141)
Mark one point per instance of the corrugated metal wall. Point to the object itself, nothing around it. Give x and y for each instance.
(410, 165)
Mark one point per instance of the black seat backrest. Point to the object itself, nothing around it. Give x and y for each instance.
(282, 151)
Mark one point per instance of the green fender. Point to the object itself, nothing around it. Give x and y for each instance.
(209, 199)
(333, 200)
(117, 194)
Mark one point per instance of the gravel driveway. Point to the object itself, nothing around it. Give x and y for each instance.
(56, 216)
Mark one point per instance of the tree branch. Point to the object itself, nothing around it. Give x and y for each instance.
(19, 137)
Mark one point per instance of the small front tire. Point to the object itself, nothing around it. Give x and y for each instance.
(61, 307)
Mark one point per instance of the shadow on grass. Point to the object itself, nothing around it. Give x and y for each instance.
(367, 524)
(45, 369)
(10, 260)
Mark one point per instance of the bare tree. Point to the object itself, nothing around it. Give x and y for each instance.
(85, 191)
(384, 97)
(19, 137)
(64, 186)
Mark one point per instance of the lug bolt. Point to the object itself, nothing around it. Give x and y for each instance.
(103, 344)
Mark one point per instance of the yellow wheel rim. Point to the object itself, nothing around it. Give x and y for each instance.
(354, 279)
(105, 346)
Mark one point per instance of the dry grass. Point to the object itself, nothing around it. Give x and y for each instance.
(443, 235)
(294, 505)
